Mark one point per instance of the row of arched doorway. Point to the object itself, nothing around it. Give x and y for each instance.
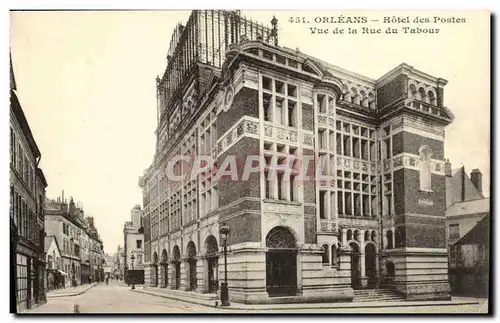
(210, 256)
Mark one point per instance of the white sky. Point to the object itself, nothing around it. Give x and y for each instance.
(86, 81)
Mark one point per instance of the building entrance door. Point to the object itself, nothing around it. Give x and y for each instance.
(281, 273)
(213, 280)
(355, 267)
(281, 263)
(371, 264)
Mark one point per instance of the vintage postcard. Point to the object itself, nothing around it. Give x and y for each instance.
(239, 161)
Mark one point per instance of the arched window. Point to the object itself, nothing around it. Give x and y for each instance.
(49, 261)
(412, 93)
(431, 97)
(334, 255)
(325, 254)
(425, 168)
(421, 94)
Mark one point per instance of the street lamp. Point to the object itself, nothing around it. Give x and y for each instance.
(133, 280)
(224, 292)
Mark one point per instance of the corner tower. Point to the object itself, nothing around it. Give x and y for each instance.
(413, 190)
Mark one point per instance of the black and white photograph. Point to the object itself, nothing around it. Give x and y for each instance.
(250, 161)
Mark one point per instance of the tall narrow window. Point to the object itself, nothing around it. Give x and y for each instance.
(12, 148)
(291, 114)
(267, 186)
(279, 111)
(322, 205)
(281, 193)
(267, 107)
(425, 168)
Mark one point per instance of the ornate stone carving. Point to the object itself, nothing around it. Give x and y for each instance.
(321, 120)
(308, 140)
(252, 127)
(398, 161)
(356, 165)
(268, 131)
(280, 134)
(239, 130)
(293, 136)
(364, 167)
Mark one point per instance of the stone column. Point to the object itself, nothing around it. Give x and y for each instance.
(206, 279)
(201, 274)
(161, 275)
(171, 275)
(147, 275)
(344, 236)
(184, 275)
(362, 258)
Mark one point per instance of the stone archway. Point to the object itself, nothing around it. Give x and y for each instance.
(212, 266)
(281, 262)
(164, 264)
(191, 261)
(371, 264)
(176, 269)
(355, 266)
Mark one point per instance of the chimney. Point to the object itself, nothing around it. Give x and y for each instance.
(477, 179)
(447, 168)
(71, 207)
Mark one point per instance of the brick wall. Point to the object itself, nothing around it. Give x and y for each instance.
(245, 227)
(392, 90)
(230, 190)
(410, 143)
(245, 103)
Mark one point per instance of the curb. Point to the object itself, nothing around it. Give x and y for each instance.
(359, 305)
(73, 294)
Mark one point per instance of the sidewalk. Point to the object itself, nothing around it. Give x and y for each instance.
(72, 291)
(177, 295)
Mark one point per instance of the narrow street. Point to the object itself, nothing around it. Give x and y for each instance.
(118, 299)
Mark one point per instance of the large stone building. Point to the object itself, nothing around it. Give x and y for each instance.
(79, 242)
(133, 238)
(372, 211)
(27, 195)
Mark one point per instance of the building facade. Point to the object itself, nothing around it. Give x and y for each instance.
(133, 249)
(80, 245)
(55, 278)
(371, 213)
(466, 208)
(27, 195)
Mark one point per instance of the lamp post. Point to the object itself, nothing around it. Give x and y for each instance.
(133, 280)
(224, 292)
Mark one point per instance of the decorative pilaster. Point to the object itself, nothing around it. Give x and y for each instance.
(362, 258)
